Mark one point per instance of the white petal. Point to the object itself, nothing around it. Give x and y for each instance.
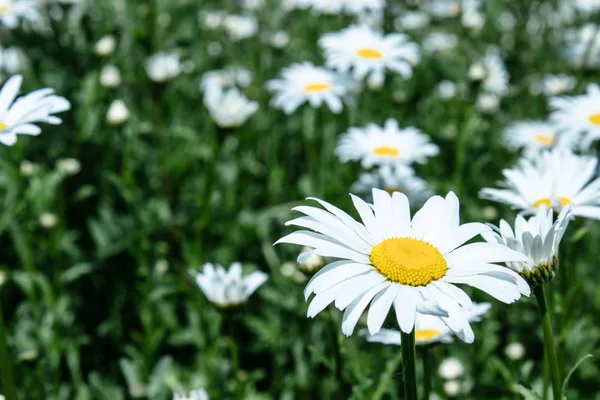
(405, 305)
(380, 307)
(357, 307)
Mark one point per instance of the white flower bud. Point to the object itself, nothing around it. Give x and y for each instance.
(451, 368)
(28, 168)
(452, 388)
(110, 76)
(48, 220)
(476, 72)
(515, 351)
(117, 113)
(106, 45)
(69, 166)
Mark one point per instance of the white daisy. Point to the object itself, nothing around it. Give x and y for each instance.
(306, 83)
(163, 66)
(18, 117)
(553, 179)
(428, 328)
(387, 145)
(553, 85)
(227, 288)
(227, 78)
(369, 53)
(439, 41)
(198, 394)
(536, 135)
(12, 61)
(410, 20)
(240, 27)
(393, 179)
(583, 47)
(538, 238)
(411, 264)
(578, 115)
(587, 6)
(351, 7)
(13, 10)
(496, 76)
(230, 108)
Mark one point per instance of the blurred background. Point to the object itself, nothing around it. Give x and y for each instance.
(103, 216)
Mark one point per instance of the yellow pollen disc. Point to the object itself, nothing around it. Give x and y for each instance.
(426, 334)
(595, 119)
(408, 261)
(545, 139)
(369, 53)
(386, 151)
(4, 8)
(546, 201)
(3, 126)
(316, 87)
(564, 200)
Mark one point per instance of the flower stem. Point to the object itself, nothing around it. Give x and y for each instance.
(408, 365)
(549, 342)
(339, 372)
(10, 390)
(427, 375)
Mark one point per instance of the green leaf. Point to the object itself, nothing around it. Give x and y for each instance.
(577, 364)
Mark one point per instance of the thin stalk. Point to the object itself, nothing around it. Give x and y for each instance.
(549, 342)
(546, 376)
(427, 375)
(337, 352)
(6, 370)
(408, 365)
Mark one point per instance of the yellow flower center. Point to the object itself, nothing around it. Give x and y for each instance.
(546, 201)
(4, 8)
(545, 139)
(386, 151)
(369, 53)
(3, 126)
(426, 334)
(408, 261)
(316, 87)
(595, 119)
(564, 201)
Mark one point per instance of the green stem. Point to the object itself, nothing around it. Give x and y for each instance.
(546, 376)
(549, 341)
(333, 328)
(427, 375)
(10, 390)
(408, 365)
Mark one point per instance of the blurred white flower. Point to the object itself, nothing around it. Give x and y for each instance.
(578, 115)
(368, 53)
(198, 394)
(452, 388)
(472, 19)
(227, 288)
(240, 27)
(553, 178)
(387, 145)
(506, 21)
(214, 49)
(307, 83)
(586, 6)
(117, 113)
(3, 278)
(451, 368)
(18, 117)
(515, 351)
(48, 220)
(27, 168)
(110, 76)
(69, 166)
(496, 76)
(442, 8)
(352, 7)
(106, 45)
(446, 90)
(280, 39)
(13, 10)
(212, 19)
(476, 71)
(553, 85)
(226, 78)
(313, 263)
(583, 46)
(536, 135)
(487, 102)
(538, 238)
(163, 66)
(229, 108)
(12, 60)
(253, 4)
(394, 179)
(439, 41)
(410, 20)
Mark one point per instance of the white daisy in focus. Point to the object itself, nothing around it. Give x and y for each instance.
(538, 238)
(240, 27)
(351, 7)
(18, 117)
(229, 108)
(163, 66)
(534, 136)
(306, 83)
(552, 179)
(387, 145)
(583, 47)
(578, 115)
(390, 260)
(428, 328)
(394, 179)
(553, 85)
(227, 288)
(13, 10)
(198, 394)
(368, 53)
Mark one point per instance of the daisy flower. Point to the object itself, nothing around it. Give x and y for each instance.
(390, 260)
(583, 47)
(428, 328)
(226, 78)
(538, 238)
(578, 115)
(369, 53)
(392, 179)
(163, 66)
(534, 136)
(387, 145)
(410, 20)
(439, 41)
(552, 179)
(553, 85)
(230, 108)
(240, 27)
(227, 288)
(443, 8)
(18, 117)
(12, 10)
(198, 394)
(496, 76)
(306, 83)
(352, 7)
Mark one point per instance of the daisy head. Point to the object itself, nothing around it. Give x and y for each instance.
(496, 76)
(411, 264)
(228, 108)
(307, 83)
(534, 136)
(429, 329)
(161, 67)
(227, 288)
(394, 179)
(366, 52)
(387, 145)
(578, 115)
(538, 238)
